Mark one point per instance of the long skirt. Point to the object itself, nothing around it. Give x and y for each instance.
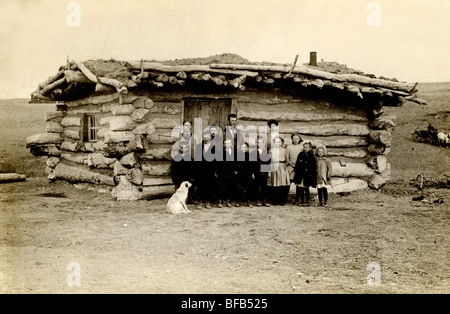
(280, 175)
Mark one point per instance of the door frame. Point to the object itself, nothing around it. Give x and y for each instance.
(231, 99)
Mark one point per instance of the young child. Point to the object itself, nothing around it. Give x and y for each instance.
(323, 174)
(305, 173)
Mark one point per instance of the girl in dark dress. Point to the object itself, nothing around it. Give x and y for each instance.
(305, 173)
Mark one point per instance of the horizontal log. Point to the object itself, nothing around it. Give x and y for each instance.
(161, 136)
(157, 191)
(291, 114)
(329, 141)
(44, 138)
(93, 100)
(122, 123)
(68, 121)
(79, 173)
(152, 66)
(351, 170)
(162, 121)
(162, 180)
(346, 152)
(156, 168)
(351, 185)
(317, 129)
(12, 177)
(407, 87)
(166, 108)
(125, 109)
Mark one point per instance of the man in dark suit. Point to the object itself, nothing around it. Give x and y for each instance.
(246, 171)
(263, 161)
(234, 132)
(228, 174)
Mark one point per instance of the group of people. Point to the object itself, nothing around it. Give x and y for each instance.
(225, 172)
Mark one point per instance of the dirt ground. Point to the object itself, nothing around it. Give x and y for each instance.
(136, 247)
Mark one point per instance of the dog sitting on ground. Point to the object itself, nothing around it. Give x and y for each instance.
(177, 203)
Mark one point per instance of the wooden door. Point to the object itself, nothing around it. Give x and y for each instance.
(212, 111)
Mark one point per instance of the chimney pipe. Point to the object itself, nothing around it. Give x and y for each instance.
(313, 58)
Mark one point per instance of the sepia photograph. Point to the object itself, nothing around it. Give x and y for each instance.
(224, 151)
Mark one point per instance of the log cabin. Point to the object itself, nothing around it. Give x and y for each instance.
(113, 122)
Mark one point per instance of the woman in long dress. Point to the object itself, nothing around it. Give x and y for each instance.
(279, 176)
(291, 155)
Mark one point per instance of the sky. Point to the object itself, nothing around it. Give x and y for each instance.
(405, 39)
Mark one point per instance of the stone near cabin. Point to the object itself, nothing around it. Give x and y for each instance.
(122, 110)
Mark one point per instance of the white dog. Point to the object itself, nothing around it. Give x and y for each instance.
(177, 203)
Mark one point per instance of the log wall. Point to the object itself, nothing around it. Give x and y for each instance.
(135, 138)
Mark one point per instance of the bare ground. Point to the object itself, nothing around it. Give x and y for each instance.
(136, 247)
